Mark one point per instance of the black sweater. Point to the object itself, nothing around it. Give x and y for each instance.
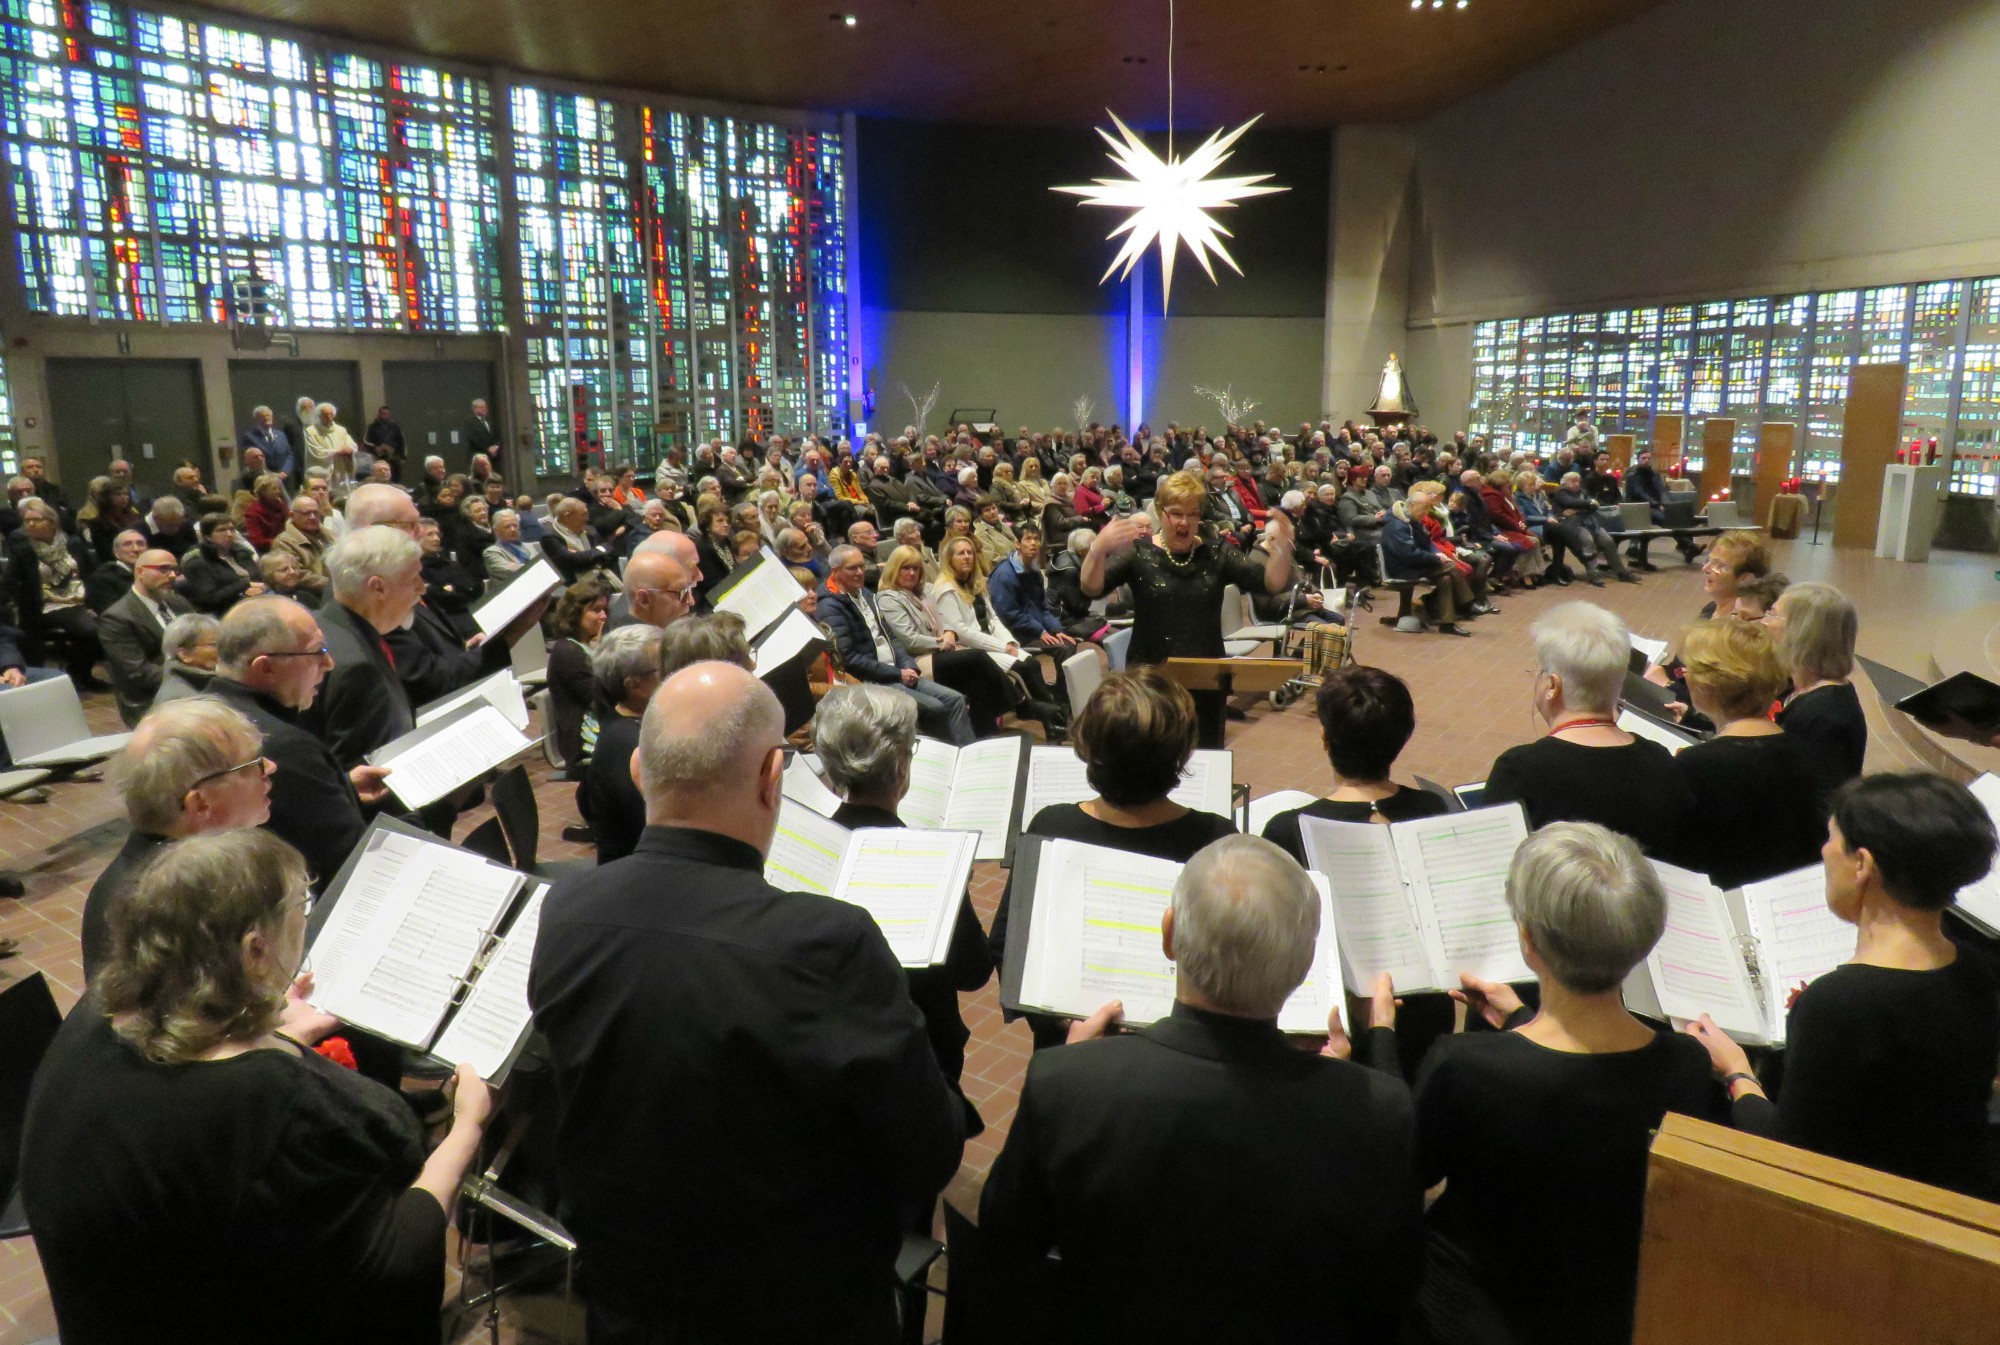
(1828, 723)
(1632, 789)
(1757, 810)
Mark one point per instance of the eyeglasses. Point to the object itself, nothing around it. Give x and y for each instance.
(162, 569)
(321, 652)
(261, 762)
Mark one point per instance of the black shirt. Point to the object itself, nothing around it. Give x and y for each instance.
(112, 890)
(1405, 805)
(1756, 810)
(1543, 1154)
(1891, 1069)
(263, 1197)
(609, 800)
(1632, 789)
(1828, 722)
(1176, 607)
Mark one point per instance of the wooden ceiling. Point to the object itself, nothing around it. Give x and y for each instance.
(1000, 62)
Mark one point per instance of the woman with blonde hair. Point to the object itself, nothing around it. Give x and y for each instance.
(1006, 493)
(958, 596)
(1032, 492)
(914, 624)
(1426, 509)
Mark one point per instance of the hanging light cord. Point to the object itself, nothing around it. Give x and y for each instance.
(1170, 81)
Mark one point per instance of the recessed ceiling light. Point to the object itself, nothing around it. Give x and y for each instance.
(1416, 4)
(847, 19)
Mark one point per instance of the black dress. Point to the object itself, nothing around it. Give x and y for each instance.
(1757, 810)
(1829, 724)
(1632, 789)
(263, 1197)
(1405, 805)
(607, 798)
(572, 691)
(1177, 610)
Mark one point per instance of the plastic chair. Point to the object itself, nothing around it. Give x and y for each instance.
(1723, 514)
(1116, 646)
(43, 724)
(544, 703)
(1082, 673)
(28, 1023)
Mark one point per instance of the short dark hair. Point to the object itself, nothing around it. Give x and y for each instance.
(1135, 736)
(1366, 716)
(1027, 530)
(210, 522)
(1929, 835)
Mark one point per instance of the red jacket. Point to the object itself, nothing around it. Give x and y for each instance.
(1506, 516)
(1253, 499)
(1433, 527)
(262, 522)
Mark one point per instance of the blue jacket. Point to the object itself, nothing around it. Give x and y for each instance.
(838, 613)
(1020, 598)
(278, 455)
(1407, 550)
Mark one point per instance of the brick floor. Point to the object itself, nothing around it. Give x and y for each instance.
(1472, 703)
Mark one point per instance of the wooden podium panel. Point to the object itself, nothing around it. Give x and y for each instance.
(1776, 442)
(1668, 429)
(1718, 448)
(1620, 446)
(1869, 438)
(1750, 1242)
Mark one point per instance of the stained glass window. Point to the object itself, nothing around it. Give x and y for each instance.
(10, 449)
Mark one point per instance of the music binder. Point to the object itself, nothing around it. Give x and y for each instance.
(910, 880)
(978, 787)
(760, 591)
(502, 691)
(1057, 775)
(449, 752)
(530, 584)
(427, 944)
(1979, 903)
(1641, 725)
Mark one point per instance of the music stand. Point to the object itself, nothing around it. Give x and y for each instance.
(1251, 676)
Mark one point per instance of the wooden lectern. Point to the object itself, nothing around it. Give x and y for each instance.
(1251, 676)
(1751, 1242)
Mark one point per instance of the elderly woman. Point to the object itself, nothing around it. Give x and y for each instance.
(771, 515)
(1539, 1131)
(1090, 504)
(803, 516)
(993, 534)
(1134, 736)
(222, 570)
(579, 619)
(1816, 626)
(1889, 1057)
(625, 672)
(282, 1194)
(914, 625)
(284, 577)
(1758, 808)
(864, 736)
(1408, 553)
(1059, 515)
(44, 575)
(1007, 494)
(1496, 492)
(508, 555)
(910, 533)
(1031, 491)
(472, 534)
(267, 513)
(1586, 768)
(187, 653)
(1177, 577)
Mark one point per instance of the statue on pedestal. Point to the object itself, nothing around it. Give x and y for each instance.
(1392, 399)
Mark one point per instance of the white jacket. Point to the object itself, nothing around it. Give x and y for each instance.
(955, 610)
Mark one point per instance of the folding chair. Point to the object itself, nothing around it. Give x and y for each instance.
(544, 703)
(1116, 646)
(1722, 514)
(43, 725)
(520, 819)
(13, 782)
(1082, 673)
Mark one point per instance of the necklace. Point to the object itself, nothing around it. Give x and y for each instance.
(1179, 562)
(1587, 722)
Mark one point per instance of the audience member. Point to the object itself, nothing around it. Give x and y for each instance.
(45, 570)
(283, 578)
(960, 599)
(1409, 553)
(187, 652)
(569, 544)
(131, 629)
(112, 578)
(107, 511)
(578, 622)
(1576, 512)
(914, 626)
(267, 514)
(222, 570)
(305, 540)
(869, 653)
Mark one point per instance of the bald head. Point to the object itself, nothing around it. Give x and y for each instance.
(709, 755)
(378, 505)
(677, 546)
(154, 572)
(658, 585)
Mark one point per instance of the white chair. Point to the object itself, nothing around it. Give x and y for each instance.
(1082, 672)
(1116, 646)
(43, 724)
(1239, 637)
(13, 782)
(1722, 514)
(530, 657)
(544, 702)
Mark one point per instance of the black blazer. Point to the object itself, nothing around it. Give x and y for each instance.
(107, 583)
(432, 661)
(210, 584)
(1205, 1180)
(742, 1083)
(313, 804)
(361, 706)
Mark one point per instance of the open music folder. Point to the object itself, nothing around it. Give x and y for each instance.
(1655, 730)
(1739, 955)
(802, 784)
(1085, 930)
(977, 787)
(1267, 806)
(761, 592)
(502, 691)
(413, 942)
(1423, 900)
(1057, 775)
(533, 582)
(452, 750)
(1979, 903)
(911, 881)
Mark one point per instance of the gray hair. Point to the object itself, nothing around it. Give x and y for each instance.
(786, 536)
(433, 458)
(169, 506)
(1589, 649)
(260, 411)
(184, 740)
(186, 631)
(252, 627)
(499, 514)
(906, 525)
(719, 637)
(864, 736)
(622, 654)
(367, 553)
(701, 758)
(1592, 904)
(770, 496)
(837, 557)
(325, 408)
(1246, 922)
(39, 507)
(1821, 625)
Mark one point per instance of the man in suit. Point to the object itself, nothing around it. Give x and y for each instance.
(130, 631)
(742, 1083)
(1202, 1178)
(869, 653)
(280, 452)
(384, 438)
(480, 434)
(110, 582)
(376, 580)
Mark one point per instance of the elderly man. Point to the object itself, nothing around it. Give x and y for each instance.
(193, 766)
(741, 1078)
(112, 580)
(304, 539)
(167, 526)
(668, 582)
(253, 467)
(509, 554)
(187, 656)
(481, 436)
(376, 579)
(45, 574)
(131, 630)
(329, 445)
(36, 469)
(1203, 1173)
(571, 547)
(870, 654)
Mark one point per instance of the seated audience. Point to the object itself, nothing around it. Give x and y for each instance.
(625, 670)
(450, 589)
(1575, 513)
(1021, 599)
(193, 1169)
(1587, 769)
(570, 545)
(284, 579)
(187, 652)
(1366, 718)
(1409, 553)
(222, 570)
(107, 511)
(131, 630)
(960, 599)
(112, 579)
(864, 737)
(1203, 1179)
(578, 622)
(689, 1039)
(869, 653)
(1758, 811)
(305, 540)
(267, 514)
(1889, 1057)
(509, 554)
(915, 626)
(1816, 626)
(45, 574)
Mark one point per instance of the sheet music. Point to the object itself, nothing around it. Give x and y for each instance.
(806, 851)
(1798, 938)
(931, 769)
(502, 691)
(1697, 966)
(1096, 933)
(495, 1014)
(524, 590)
(911, 883)
(794, 631)
(1981, 900)
(1654, 650)
(375, 879)
(802, 784)
(761, 594)
(1323, 987)
(422, 772)
(1457, 870)
(1376, 924)
(1207, 782)
(982, 793)
(1268, 806)
(1641, 727)
(1058, 775)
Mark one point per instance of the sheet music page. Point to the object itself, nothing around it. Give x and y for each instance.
(806, 851)
(1376, 924)
(802, 784)
(1697, 965)
(405, 968)
(1457, 869)
(763, 594)
(1096, 933)
(423, 772)
(502, 691)
(792, 634)
(495, 1014)
(1323, 986)
(1981, 900)
(1206, 783)
(932, 768)
(1798, 938)
(982, 793)
(1268, 806)
(376, 877)
(1654, 650)
(1641, 727)
(1055, 775)
(520, 593)
(911, 883)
